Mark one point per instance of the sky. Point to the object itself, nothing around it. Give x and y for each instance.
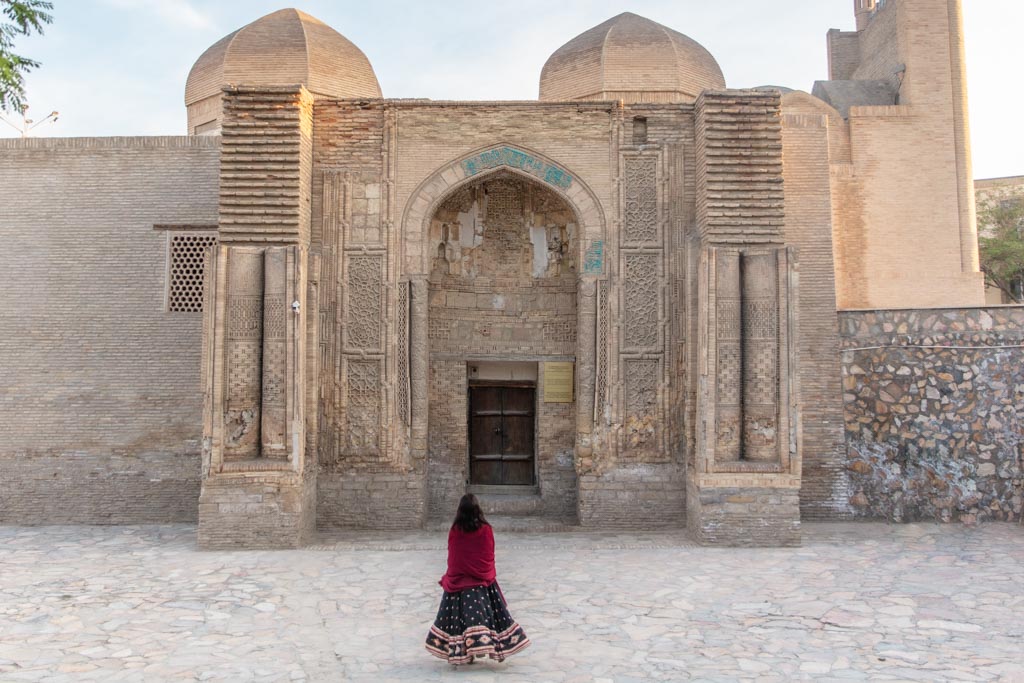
(118, 67)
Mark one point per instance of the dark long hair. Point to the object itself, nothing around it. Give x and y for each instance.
(470, 517)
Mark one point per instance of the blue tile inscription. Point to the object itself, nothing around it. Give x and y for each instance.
(514, 158)
(593, 259)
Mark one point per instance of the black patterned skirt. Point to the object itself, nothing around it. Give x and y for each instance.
(475, 623)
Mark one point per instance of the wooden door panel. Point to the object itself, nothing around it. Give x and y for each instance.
(485, 400)
(485, 436)
(518, 435)
(486, 472)
(519, 401)
(517, 472)
(501, 435)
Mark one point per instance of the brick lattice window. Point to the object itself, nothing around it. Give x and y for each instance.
(185, 271)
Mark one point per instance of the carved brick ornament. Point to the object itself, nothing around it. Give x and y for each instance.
(641, 292)
(365, 295)
(640, 208)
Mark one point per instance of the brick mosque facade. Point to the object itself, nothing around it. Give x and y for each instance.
(643, 299)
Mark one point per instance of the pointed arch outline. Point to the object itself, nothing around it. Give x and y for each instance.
(457, 173)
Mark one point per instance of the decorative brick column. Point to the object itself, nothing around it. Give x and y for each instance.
(258, 487)
(744, 486)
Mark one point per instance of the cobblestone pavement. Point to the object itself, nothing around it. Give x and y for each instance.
(856, 602)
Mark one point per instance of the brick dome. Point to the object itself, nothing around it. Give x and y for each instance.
(633, 59)
(286, 47)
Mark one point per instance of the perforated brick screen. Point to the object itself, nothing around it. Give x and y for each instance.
(185, 271)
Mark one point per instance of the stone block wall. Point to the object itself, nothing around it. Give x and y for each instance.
(253, 510)
(100, 406)
(933, 401)
(747, 517)
(634, 496)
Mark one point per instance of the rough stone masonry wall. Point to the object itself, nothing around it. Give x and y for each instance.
(934, 400)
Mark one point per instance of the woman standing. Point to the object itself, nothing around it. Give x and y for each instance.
(473, 620)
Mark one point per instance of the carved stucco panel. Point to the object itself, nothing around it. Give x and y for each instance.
(642, 380)
(729, 335)
(402, 354)
(760, 357)
(275, 366)
(244, 354)
(363, 383)
(640, 200)
(364, 295)
(642, 298)
(601, 393)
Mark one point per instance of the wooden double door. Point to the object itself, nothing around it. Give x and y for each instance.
(501, 434)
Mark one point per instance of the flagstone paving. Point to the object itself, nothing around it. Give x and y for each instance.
(856, 602)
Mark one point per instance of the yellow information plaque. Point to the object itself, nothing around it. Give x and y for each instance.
(558, 382)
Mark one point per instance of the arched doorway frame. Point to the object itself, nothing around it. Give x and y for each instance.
(423, 203)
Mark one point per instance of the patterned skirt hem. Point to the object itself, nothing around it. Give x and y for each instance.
(477, 641)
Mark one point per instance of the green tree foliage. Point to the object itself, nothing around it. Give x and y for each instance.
(18, 18)
(1001, 242)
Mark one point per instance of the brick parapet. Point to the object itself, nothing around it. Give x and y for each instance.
(114, 142)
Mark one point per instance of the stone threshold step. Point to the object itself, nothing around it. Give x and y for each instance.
(513, 524)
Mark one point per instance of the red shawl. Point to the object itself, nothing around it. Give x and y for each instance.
(470, 559)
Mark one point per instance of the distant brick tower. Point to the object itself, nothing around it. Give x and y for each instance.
(899, 81)
(863, 9)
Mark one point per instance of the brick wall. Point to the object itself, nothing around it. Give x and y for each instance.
(448, 443)
(911, 247)
(933, 403)
(843, 54)
(100, 413)
(634, 496)
(745, 517)
(352, 209)
(448, 468)
(805, 138)
(908, 228)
